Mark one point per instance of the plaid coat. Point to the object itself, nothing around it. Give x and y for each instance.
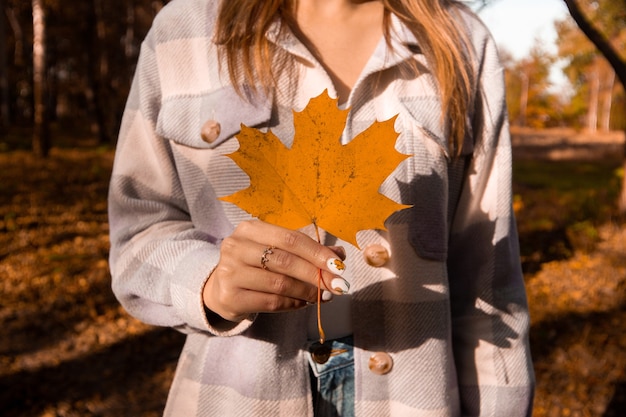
(449, 308)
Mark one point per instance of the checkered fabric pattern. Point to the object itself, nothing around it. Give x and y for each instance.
(449, 307)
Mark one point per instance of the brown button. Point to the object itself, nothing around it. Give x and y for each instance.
(320, 353)
(380, 363)
(210, 131)
(376, 255)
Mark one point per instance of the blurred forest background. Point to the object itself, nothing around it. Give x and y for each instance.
(68, 349)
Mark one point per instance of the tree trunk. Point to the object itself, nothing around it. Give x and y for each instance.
(523, 106)
(41, 134)
(97, 68)
(594, 97)
(5, 119)
(18, 33)
(129, 36)
(607, 103)
(621, 204)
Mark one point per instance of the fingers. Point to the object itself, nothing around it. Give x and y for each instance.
(265, 268)
(279, 261)
(240, 286)
(264, 292)
(297, 255)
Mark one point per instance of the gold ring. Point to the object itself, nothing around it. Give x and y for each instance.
(264, 259)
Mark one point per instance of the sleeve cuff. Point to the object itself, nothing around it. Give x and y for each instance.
(186, 291)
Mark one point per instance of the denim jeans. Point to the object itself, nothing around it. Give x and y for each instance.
(332, 383)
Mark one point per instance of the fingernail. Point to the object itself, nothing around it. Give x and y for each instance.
(326, 296)
(336, 265)
(340, 285)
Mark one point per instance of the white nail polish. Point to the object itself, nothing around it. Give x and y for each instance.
(327, 295)
(340, 285)
(336, 265)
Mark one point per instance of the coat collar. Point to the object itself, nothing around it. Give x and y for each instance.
(403, 46)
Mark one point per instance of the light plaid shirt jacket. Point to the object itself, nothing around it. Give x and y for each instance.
(449, 307)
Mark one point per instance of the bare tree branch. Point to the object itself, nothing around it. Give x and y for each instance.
(598, 39)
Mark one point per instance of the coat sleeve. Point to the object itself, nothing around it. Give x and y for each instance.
(490, 319)
(159, 260)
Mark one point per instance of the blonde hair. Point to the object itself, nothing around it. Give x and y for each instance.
(252, 59)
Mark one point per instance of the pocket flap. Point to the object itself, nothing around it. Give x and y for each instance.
(181, 118)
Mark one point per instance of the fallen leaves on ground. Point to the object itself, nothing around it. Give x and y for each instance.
(578, 310)
(67, 347)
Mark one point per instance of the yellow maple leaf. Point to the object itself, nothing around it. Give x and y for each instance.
(319, 181)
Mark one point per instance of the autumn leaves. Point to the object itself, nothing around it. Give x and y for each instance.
(319, 181)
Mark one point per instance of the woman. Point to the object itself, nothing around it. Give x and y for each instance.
(429, 318)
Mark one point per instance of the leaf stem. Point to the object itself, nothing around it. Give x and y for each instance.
(319, 293)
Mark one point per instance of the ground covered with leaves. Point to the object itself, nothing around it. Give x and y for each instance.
(68, 349)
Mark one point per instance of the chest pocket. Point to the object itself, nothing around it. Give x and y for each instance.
(181, 118)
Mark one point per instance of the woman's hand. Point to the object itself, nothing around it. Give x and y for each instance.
(266, 268)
